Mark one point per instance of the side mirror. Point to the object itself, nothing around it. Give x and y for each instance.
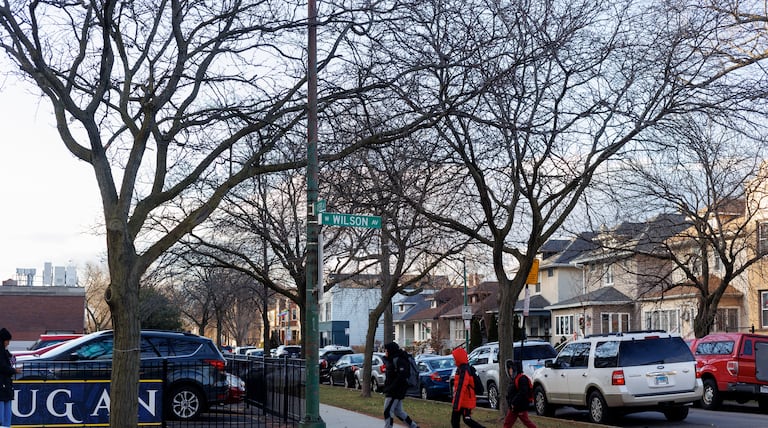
(550, 364)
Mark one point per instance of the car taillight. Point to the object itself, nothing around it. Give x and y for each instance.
(617, 378)
(436, 377)
(383, 368)
(354, 367)
(323, 364)
(219, 364)
(733, 368)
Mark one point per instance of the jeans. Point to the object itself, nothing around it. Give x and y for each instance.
(394, 406)
(5, 413)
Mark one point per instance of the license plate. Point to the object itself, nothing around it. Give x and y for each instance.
(661, 380)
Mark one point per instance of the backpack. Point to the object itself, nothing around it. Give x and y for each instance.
(413, 371)
(530, 386)
(479, 389)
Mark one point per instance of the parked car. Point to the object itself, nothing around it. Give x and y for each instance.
(242, 350)
(378, 373)
(614, 374)
(195, 377)
(732, 366)
(485, 360)
(45, 343)
(328, 357)
(255, 352)
(288, 351)
(39, 351)
(434, 377)
(343, 371)
(236, 389)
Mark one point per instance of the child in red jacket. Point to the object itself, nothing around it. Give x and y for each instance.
(464, 399)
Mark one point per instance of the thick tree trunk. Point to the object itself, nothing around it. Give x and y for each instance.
(123, 299)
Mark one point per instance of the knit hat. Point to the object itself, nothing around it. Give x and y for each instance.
(4, 334)
(392, 347)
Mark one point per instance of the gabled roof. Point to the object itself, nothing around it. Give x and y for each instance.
(447, 299)
(629, 238)
(416, 303)
(601, 296)
(567, 249)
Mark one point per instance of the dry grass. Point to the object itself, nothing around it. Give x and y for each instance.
(429, 414)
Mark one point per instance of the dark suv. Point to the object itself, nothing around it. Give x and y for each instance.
(328, 357)
(191, 366)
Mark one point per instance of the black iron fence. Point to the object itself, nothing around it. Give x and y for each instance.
(251, 392)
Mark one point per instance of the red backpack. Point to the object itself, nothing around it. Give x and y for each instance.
(530, 386)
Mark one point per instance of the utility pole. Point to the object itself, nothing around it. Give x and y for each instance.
(312, 417)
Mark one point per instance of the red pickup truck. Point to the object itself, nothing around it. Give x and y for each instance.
(732, 366)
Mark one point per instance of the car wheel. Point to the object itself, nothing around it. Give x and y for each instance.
(185, 402)
(358, 384)
(374, 385)
(676, 414)
(543, 408)
(493, 395)
(711, 398)
(424, 394)
(599, 413)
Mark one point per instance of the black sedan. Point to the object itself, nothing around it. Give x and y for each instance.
(343, 372)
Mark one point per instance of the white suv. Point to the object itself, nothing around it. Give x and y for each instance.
(485, 360)
(621, 373)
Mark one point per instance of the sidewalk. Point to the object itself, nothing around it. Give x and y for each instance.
(335, 417)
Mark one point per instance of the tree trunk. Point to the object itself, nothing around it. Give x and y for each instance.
(123, 299)
(370, 336)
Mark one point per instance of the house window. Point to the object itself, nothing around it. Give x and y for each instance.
(550, 272)
(762, 238)
(667, 320)
(327, 311)
(537, 287)
(458, 330)
(727, 319)
(609, 275)
(294, 315)
(764, 308)
(563, 325)
(614, 322)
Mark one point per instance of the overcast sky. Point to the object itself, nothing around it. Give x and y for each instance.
(50, 201)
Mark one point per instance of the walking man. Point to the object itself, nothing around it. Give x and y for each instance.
(518, 395)
(396, 385)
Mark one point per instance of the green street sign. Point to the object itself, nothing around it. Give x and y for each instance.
(351, 220)
(320, 206)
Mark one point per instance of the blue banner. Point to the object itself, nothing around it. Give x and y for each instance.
(80, 403)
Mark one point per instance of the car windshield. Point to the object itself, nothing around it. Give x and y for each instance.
(356, 358)
(665, 350)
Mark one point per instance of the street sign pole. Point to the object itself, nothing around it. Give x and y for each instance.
(311, 418)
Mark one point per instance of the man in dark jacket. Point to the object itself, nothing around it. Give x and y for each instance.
(396, 385)
(518, 391)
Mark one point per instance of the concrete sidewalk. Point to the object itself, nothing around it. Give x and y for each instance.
(335, 417)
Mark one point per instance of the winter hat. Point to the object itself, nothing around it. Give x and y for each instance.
(4, 334)
(392, 347)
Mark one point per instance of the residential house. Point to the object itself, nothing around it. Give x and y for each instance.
(285, 321)
(617, 270)
(418, 321)
(349, 302)
(483, 300)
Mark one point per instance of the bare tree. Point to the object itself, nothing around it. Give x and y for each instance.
(409, 247)
(715, 178)
(97, 313)
(173, 104)
(563, 88)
